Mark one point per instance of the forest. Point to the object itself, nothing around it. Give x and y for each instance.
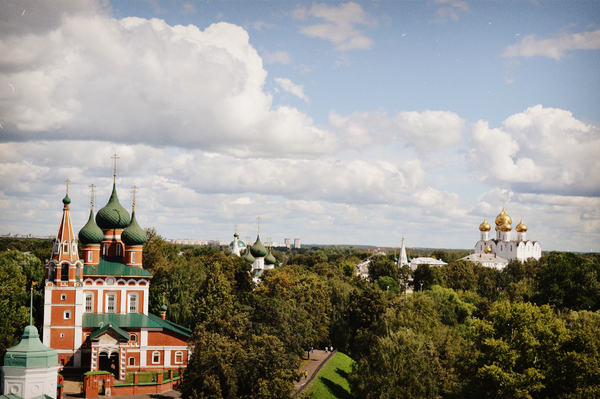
(468, 331)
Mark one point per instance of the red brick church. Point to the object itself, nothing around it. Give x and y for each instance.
(96, 305)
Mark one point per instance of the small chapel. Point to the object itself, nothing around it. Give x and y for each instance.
(96, 306)
(504, 246)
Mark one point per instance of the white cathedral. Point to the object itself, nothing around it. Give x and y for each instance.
(503, 246)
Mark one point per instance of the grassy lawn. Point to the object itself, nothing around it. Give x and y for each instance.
(332, 380)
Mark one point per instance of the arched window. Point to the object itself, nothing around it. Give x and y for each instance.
(66, 248)
(156, 357)
(63, 297)
(179, 357)
(133, 337)
(132, 361)
(89, 302)
(67, 315)
(74, 248)
(111, 299)
(133, 303)
(64, 272)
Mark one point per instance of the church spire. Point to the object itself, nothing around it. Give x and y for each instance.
(64, 245)
(403, 259)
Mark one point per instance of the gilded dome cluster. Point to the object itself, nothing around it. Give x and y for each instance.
(504, 221)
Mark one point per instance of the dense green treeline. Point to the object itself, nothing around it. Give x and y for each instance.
(527, 331)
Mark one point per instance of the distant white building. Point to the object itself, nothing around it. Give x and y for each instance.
(415, 262)
(288, 242)
(503, 246)
(297, 243)
(403, 259)
(488, 260)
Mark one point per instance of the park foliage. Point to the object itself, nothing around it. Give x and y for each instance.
(468, 331)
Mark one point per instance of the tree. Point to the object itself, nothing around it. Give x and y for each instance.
(382, 266)
(567, 280)
(512, 351)
(14, 315)
(429, 276)
(158, 253)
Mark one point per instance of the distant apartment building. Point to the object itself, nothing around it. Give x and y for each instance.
(288, 242)
(297, 243)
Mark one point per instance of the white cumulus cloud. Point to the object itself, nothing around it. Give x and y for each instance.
(339, 26)
(556, 47)
(290, 87)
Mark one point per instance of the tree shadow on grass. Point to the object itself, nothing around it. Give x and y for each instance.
(344, 374)
(336, 390)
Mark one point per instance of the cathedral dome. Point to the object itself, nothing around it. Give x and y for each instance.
(90, 233)
(248, 256)
(503, 218)
(113, 215)
(270, 259)
(258, 250)
(521, 228)
(485, 226)
(133, 234)
(506, 227)
(487, 249)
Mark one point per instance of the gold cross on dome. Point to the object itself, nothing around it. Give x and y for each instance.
(258, 224)
(92, 192)
(115, 157)
(134, 190)
(236, 228)
(68, 181)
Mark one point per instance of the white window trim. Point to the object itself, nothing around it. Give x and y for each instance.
(63, 297)
(85, 302)
(67, 315)
(180, 355)
(113, 295)
(155, 353)
(66, 248)
(90, 256)
(130, 361)
(137, 302)
(132, 257)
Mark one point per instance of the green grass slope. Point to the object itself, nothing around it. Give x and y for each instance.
(332, 380)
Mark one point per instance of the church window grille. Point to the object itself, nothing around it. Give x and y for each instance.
(110, 303)
(178, 357)
(133, 303)
(89, 303)
(64, 272)
(156, 357)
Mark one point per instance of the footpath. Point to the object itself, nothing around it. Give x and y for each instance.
(317, 359)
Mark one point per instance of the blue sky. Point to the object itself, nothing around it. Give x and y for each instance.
(336, 122)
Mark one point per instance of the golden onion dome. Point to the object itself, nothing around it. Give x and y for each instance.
(503, 218)
(506, 227)
(487, 249)
(485, 226)
(521, 228)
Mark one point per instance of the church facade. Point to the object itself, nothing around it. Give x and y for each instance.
(96, 307)
(504, 245)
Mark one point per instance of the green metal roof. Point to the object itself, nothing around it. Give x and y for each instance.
(113, 215)
(30, 352)
(132, 320)
(110, 268)
(133, 234)
(91, 233)
(124, 335)
(258, 250)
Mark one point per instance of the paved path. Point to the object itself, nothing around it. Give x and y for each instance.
(316, 358)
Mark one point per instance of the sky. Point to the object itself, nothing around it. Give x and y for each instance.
(354, 123)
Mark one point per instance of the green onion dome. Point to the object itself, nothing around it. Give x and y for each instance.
(163, 307)
(270, 259)
(133, 234)
(113, 215)
(258, 250)
(248, 256)
(90, 233)
(66, 200)
(236, 235)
